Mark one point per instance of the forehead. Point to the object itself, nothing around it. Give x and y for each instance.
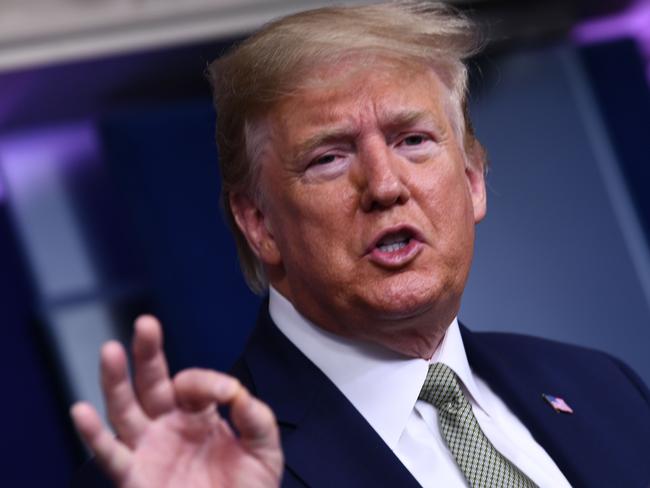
(342, 97)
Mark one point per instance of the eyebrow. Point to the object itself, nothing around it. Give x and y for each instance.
(323, 137)
(388, 122)
(406, 118)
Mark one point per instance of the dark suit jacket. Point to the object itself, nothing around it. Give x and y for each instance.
(327, 443)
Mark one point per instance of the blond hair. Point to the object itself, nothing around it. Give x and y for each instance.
(277, 60)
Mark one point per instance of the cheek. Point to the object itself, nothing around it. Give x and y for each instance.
(318, 220)
(444, 195)
(448, 209)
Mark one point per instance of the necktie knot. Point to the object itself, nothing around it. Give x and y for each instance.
(441, 387)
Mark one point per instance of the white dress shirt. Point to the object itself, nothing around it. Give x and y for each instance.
(384, 387)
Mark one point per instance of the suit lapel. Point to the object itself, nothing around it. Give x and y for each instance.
(326, 441)
(520, 384)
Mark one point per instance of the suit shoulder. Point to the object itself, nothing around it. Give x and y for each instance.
(542, 355)
(526, 344)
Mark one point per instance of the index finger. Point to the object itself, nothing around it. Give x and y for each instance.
(196, 389)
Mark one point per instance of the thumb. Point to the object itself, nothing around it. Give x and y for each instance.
(258, 429)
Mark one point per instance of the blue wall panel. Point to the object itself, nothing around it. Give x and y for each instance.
(164, 162)
(553, 258)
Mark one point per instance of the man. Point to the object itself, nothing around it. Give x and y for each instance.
(353, 182)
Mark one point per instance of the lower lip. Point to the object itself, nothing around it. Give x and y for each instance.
(398, 258)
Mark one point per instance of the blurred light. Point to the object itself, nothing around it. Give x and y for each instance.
(40, 32)
(634, 23)
(36, 166)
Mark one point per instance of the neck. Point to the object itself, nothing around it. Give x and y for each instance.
(417, 335)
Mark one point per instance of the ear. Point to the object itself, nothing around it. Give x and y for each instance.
(256, 228)
(475, 173)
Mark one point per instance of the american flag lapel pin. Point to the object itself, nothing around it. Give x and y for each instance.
(558, 404)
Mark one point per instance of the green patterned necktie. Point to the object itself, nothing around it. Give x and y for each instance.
(482, 465)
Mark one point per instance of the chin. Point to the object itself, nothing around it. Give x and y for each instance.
(405, 297)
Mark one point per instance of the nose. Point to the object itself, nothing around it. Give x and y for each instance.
(381, 178)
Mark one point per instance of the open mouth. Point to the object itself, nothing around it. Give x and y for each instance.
(395, 247)
(394, 241)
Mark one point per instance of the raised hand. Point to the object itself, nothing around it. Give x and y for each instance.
(169, 433)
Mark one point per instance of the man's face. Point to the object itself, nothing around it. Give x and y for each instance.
(369, 206)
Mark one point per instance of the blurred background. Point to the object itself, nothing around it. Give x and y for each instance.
(109, 191)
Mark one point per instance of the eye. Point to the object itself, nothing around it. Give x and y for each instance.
(414, 140)
(327, 166)
(324, 159)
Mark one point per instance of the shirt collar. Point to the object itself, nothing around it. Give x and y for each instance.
(451, 352)
(365, 372)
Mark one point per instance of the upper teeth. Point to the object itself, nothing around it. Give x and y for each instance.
(392, 247)
(393, 242)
